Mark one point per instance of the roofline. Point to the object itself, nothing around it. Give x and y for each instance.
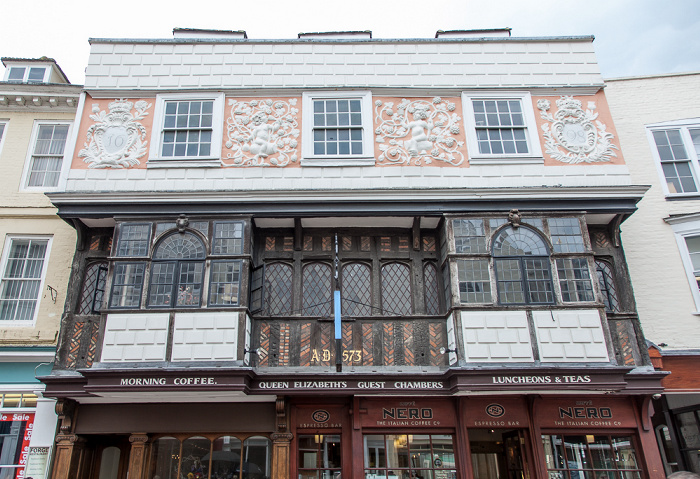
(647, 77)
(562, 39)
(37, 60)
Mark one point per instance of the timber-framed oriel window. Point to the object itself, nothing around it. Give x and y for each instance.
(189, 265)
(380, 273)
(533, 261)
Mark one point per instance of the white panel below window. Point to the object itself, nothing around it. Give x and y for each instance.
(135, 337)
(496, 336)
(570, 336)
(205, 336)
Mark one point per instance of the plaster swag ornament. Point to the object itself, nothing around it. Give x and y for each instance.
(579, 132)
(418, 131)
(116, 139)
(262, 132)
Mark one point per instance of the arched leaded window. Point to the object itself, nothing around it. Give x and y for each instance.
(278, 289)
(356, 290)
(606, 282)
(177, 271)
(396, 289)
(317, 290)
(431, 293)
(523, 270)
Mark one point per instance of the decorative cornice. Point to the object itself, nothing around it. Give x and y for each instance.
(21, 96)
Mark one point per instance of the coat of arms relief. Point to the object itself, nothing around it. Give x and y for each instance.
(262, 133)
(418, 132)
(575, 135)
(117, 139)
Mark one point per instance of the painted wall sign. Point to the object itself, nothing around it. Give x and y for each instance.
(542, 379)
(494, 413)
(418, 413)
(192, 381)
(319, 418)
(350, 385)
(594, 412)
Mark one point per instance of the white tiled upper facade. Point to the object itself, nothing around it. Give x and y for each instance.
(414, 63)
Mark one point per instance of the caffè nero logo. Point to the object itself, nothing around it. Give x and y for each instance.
(495, 410)
(320, 415)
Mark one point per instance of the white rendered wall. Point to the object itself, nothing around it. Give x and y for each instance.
(135, 337)
(570, 336)
(205, 336)
(662, 291)
(496, 336)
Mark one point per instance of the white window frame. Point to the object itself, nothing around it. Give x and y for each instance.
(684, 126)
(9, 240)
(3, 134)
(307, 144)
(685, 227)
(30, 153)
(156, 160)
(534, 155)
(27, 67)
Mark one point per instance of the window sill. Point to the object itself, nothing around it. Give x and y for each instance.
(683, 196)
(211, 162)
(365, 161)
(507, 160)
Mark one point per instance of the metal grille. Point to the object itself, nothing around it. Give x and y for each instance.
(357, 290)
(93, 288)
(317, 295)
(607, 286)
(278, 289)
(396, 289)
(180, 246)
(430, 288)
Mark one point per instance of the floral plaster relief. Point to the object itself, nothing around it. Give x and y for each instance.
(577, 130)
(262, 132)
(419, 132)
(114, 133)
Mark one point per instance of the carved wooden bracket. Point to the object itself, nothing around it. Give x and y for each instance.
(65, 408)
(281, 410)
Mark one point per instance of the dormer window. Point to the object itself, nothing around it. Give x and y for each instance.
(26, 74)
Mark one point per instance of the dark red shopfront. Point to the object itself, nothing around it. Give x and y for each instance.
(461, 437)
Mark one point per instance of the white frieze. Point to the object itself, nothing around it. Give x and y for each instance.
(418, 132)
(116, 139)
(583, 137)
(262, 132)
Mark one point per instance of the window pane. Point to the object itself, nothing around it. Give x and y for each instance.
(574, 280)
(539, 280)
(469, 236)
(317, 290)
(191, 121)
(193, 450)
(127, 285)
(133, 239)
(224, 285)
(566, 235)
(607, 286)
(225, 456)
(180, 246)
(228, 238)
(162, 280)
(396, 289)
(519, 242)
(190, 284)
(16, 74)
(356, 288)
(21, 278)
(430, 289)
(474, 281)
(278, 289)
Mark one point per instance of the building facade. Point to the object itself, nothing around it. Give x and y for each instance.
(661, 140)
(37, 108)
(341, 256)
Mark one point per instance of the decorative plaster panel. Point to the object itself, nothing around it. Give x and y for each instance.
(205, 336)
(135, 337)
(419, 132)
(570, 336)
(496, 336)
(117, 139)
(262, 132)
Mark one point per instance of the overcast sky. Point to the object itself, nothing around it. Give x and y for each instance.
(633, 37)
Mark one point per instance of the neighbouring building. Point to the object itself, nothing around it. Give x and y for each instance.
(337, 255)
(658, 120)
(37, 108)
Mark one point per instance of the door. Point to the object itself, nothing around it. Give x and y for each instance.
(498, 454)
(111, 458)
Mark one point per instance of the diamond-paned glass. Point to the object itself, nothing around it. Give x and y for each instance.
(566, 235)
(93, 289)
(337, 127)
(278, 289)
(317, 293)
(228, 238)
(574, 280)
(47, 158)
(127, 285)
(180, 246)
(607, 286)
(356, 290)
(474, 281)
(396, 289)
(675, 162)
(133, 239)
(469, 236)
(224, 283)
(21, 279)
(187, 128)
(431, 292)
(500, 127)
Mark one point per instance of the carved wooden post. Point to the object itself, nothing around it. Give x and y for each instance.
(68, 455)
(137, 455)
(281, 443)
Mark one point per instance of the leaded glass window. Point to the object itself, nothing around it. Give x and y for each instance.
(224, 283)
(127, 285)
(523, 271)
(607, 286)
(317, 290)
(133, 239)
(228, 238)
(431, 295)
(93, 289)
(177, 271)
(278, 289)
(356, 290)
(396, 289)
(469, 236)
(474, 281)
(566, 235)
(574, 279)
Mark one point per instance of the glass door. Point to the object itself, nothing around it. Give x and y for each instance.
(319, 456)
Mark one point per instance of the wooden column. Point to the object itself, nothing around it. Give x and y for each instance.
(138, 456)
(281, 449)
(68, 457)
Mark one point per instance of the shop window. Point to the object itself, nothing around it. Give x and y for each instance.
(23, 273)
(356, 290)
(109, 463)
(319, 456)
(93, 289)
(409, 455)
(396, 289)
(13, 442)
(317, 295)
(591, 456)
(255, 458)
(689, 427)
(606, 282)
(522, 266)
